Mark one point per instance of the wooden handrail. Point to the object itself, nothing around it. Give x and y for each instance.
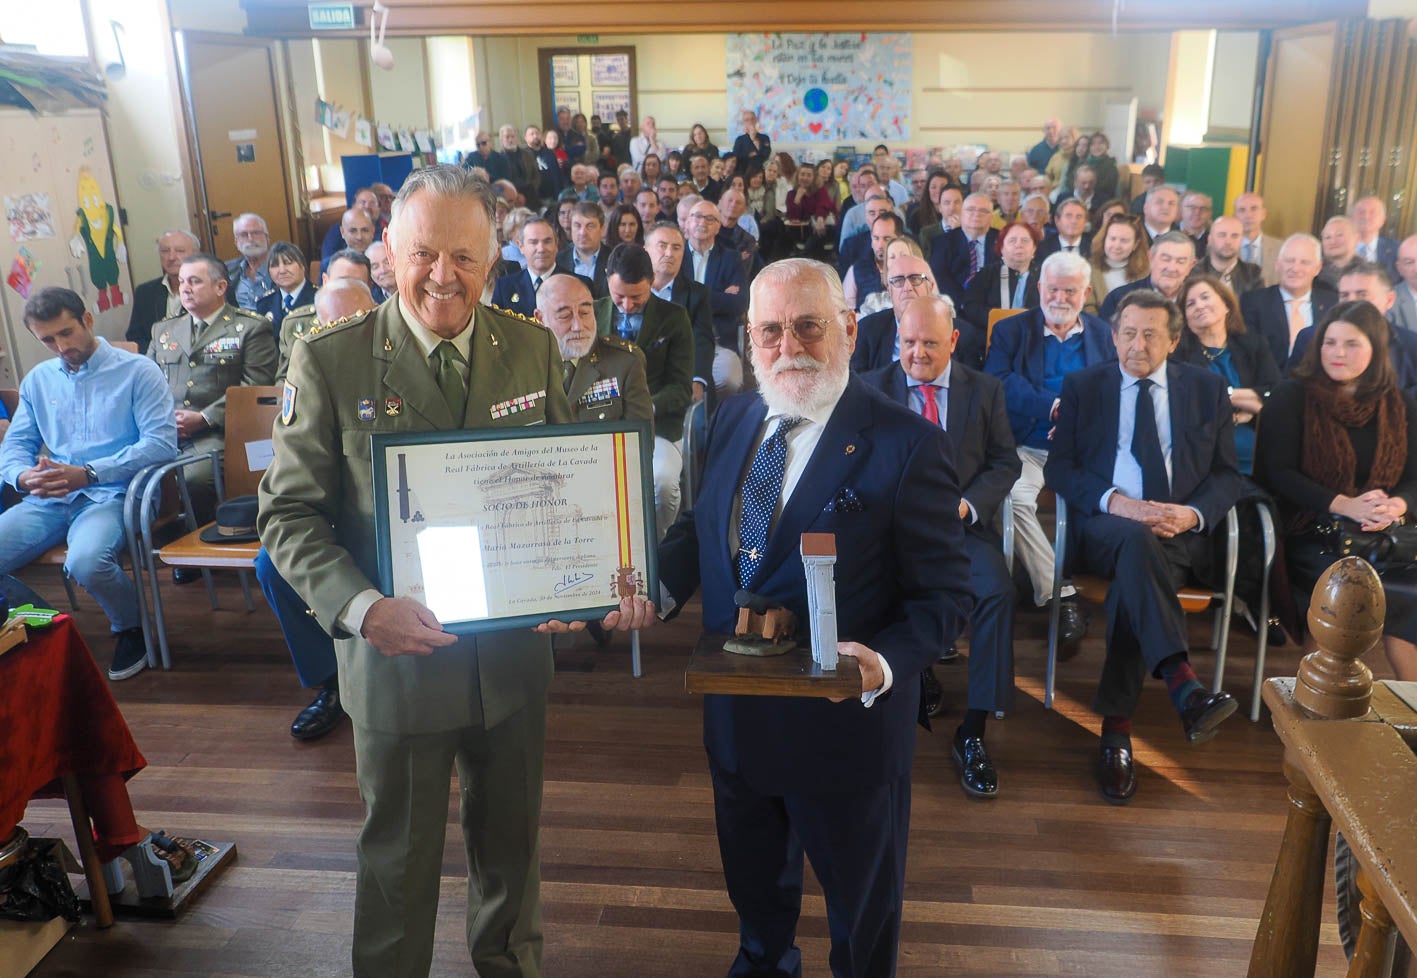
(1346, 765)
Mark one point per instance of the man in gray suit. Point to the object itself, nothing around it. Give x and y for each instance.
(1404, 310)
(1257, 248)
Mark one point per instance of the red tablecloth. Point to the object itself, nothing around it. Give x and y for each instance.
(58, 717)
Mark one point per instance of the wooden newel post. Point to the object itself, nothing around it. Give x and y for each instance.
(1346, 616)
(1370, 953)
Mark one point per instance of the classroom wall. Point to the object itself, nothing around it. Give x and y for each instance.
(994, 88)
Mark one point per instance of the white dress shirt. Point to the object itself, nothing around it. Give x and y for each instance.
(1126, 471)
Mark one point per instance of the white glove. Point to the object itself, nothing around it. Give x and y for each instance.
(76, 247)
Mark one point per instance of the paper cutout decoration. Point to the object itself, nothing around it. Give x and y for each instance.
(386, 138)
(21, 277)
(364, 132)
(30, 217)
(97, 236)
(424, 139)
(406, 142)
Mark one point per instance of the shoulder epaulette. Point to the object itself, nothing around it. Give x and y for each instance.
(514, 315)
(304, 310)
(324, 329)
(618, 343)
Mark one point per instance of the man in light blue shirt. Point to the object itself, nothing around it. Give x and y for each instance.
(103, 414)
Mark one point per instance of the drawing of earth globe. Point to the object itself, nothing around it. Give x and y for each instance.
(815, 100)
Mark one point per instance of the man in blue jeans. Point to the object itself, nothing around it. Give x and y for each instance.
(103, 414)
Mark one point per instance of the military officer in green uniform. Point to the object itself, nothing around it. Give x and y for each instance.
(211, 346)
(346, 263)
(603, 376)
(421, 699)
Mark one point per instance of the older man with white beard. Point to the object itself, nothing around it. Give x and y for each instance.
(248, 274)
(813, 450)
(603, 376)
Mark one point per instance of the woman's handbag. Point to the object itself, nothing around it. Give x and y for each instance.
(1389, 549)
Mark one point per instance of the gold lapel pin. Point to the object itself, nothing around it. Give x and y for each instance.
(850, 449)
(388, 346)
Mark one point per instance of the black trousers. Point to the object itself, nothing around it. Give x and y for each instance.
(856, 841)
(1145, 623)
(991, 627)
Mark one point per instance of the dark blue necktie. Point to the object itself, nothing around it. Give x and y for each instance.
(1146, 447)
(289, 303)
(760, 494)
(625, 330)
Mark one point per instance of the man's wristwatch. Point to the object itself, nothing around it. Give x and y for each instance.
(93, 475)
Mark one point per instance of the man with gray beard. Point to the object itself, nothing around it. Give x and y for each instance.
(248, 274)
(603, 376)
(814, 450)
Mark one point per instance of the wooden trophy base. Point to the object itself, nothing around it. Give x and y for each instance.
(712, 670)
(129, 904)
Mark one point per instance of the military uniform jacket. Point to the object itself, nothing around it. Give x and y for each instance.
(297, 323)
(667, 340)
(236, 349)
(366, 376)
(608, 383)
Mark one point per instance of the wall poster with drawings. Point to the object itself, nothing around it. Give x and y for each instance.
(823, 87)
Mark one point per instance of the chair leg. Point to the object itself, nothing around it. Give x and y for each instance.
(211, 587)
(1054, 613)
(246, 589)
(635, 669)
(1232, 560)
(69, 590)
(160, 622)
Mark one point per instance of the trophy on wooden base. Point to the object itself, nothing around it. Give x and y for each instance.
(762, 629)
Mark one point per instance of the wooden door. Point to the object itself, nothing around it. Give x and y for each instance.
(1298, 116)
(239, 147)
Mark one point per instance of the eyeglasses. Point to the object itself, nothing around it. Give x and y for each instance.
(900, 281)
(805, 331)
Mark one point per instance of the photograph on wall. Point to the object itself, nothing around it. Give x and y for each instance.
(569, 100)
(606, 102)
(30, 217)
(822, 87)
(609, 69)
(565, 70)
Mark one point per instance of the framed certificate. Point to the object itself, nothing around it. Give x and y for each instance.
(508, 527)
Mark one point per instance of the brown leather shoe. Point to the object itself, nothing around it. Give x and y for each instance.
(1115, 776)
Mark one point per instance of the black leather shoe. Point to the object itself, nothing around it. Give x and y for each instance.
(949, 655)
(933, 694)
(976, 771)
(1277, 635)
(319, 718)
(1072, 628)
(186, 575)
(1115, 776)
(1204, 712)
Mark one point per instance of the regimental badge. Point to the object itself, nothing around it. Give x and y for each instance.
(393, 406)
(603, 390)
(163, 338)
(516, 298)
(366, 409)
(287, 404)
(515, 405)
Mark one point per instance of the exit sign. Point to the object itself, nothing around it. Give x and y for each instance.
(587, 38)
(331, 16)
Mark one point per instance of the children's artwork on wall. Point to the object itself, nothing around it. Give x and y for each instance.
(30, 217)
(386, 138)
(98, 237)
(364, 133)
(822, 87)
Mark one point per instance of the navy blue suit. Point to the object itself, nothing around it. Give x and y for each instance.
(875, 341)
(977, 425)
(1018, 358)
(949, 260)
(694, 297)
(566, 262)
(1109, 304)
(1387, 258)
(312, 651)
(723, 272)
(1145, 623)
(801, 774)
(1052, 244)
(515, 292)
(1266, 315)
(272, 304)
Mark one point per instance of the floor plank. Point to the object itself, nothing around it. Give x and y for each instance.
(1044, 881)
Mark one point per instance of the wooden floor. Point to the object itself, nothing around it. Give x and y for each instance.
(1045, 880)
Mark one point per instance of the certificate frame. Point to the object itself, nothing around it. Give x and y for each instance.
(616, 555)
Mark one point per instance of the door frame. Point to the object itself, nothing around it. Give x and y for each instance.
(201, 211)
(543, 78)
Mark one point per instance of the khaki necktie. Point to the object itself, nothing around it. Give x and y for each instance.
(1296, 319)
(450, 380)
(568, 373)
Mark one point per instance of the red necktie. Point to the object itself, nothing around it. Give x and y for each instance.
(931, 412)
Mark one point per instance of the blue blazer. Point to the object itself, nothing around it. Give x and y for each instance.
(724, 271)
(1264, 314)
(514, 291)
(949, 260)
(875, 341)
(881, 480)
(1108, 308)
(1018, 358)
(271, 306)
(1084, 453)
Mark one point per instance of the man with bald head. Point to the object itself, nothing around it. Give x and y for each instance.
(739, 232)
(1256, 247)
(365, 199)
(963, 252)
(604, 376)
(357, 229)
(1339, 240)
(1222, 257)
(157, 299)
(970, 407)
(1369, 214)
(1042, 152)
(877, 336)
(721, 272)
(1280, 312)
